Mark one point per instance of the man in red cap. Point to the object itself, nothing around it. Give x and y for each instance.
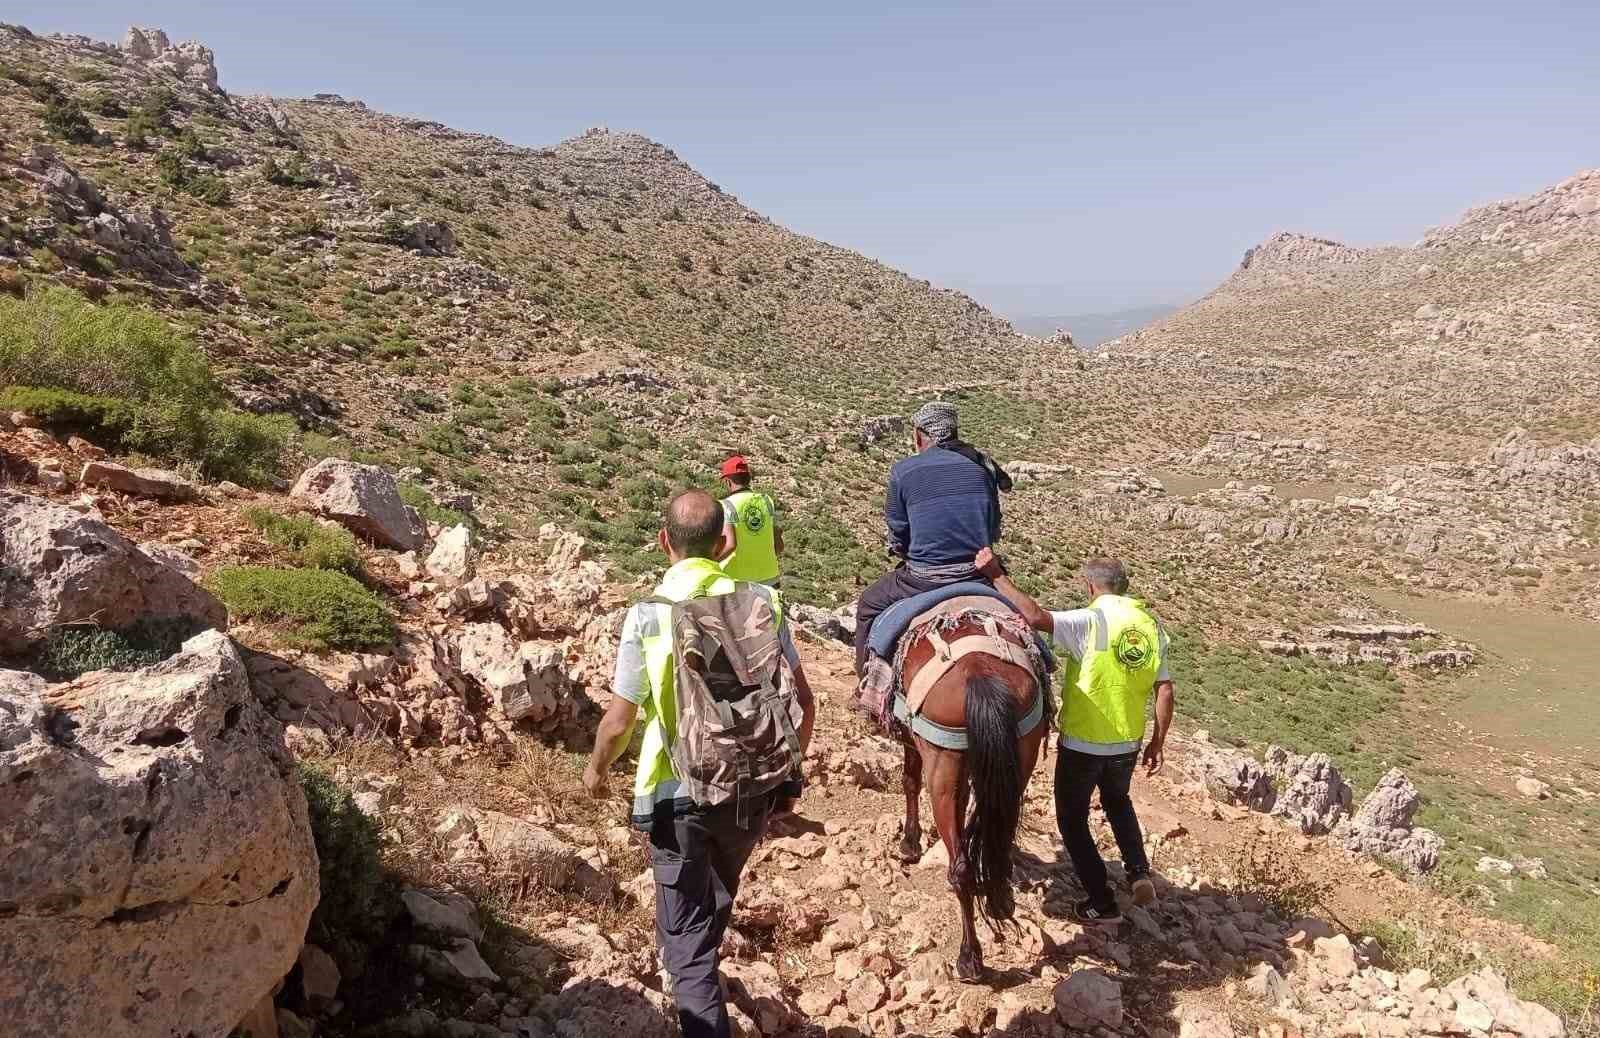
(750, 527)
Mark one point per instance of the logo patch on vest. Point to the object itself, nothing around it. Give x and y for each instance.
(754, 518)
(1132, 649)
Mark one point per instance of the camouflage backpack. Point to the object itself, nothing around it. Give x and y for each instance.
(738, 716)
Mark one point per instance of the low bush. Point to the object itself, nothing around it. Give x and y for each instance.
(431, 510)
(122, 377)
(71, 651)
(315, 608)
(64, 119)
(293, 172)
(359, 900)
(314, 545)
(176, 173)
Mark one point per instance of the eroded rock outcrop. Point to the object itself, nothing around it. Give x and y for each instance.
(58, 566)
(1383, 826)
(190, 60)
(159, 863)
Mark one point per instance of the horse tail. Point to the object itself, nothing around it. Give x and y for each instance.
(995, 767)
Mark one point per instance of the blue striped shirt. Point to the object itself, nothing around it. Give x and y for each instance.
(941, 508)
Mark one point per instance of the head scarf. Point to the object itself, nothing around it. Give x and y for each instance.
(938, 420)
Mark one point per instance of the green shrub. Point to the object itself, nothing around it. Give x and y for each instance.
(176, 173)
(293, 172)
(314, 607)
(64, 119)
(359, 901)
(431, 510)
(315, 545)
(140, 128)
(69, 652)
(124, 378)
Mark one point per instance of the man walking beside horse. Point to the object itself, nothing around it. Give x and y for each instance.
(1119, 659)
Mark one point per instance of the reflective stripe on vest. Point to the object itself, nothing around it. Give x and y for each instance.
(755, 555)
(654, 781)
(1105, 695)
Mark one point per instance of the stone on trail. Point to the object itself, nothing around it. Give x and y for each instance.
(159, 484)
(1484, 1001)
(363, 498)
(65, 567)
(450, 562)
(1089, 998)
(160, 860)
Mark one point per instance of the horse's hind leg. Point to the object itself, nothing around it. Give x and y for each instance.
(947, 788)
(911, 782)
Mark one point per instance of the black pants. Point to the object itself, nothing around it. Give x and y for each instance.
(894, 586)
(1078, 775)
(697, 859)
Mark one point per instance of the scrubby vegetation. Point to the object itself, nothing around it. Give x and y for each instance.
(359, 900)
(314, 608)
(122, 377)
(71, 651)
(311, 544)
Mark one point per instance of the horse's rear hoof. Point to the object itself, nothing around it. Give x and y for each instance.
(969, 971)
(910, 853)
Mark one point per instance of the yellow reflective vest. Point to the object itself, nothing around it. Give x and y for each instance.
(1106, 693)
(755, 523)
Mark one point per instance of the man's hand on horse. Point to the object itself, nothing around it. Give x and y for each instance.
(988, 563)
(1155, 757)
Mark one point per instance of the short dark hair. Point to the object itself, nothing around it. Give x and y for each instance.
(694, 522)
(739, 479)
(1107, 575)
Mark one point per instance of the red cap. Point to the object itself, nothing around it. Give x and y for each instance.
(735, 466)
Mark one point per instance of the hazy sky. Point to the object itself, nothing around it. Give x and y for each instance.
(1049, 157)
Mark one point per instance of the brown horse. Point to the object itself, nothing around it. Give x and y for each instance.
(986, 698)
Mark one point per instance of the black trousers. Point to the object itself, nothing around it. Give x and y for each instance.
(697, 859)
(1078, 775)
(894, 586)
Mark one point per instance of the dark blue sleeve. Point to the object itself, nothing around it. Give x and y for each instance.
(894, 514)
(994, 513)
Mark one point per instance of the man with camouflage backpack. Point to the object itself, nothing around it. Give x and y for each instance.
(727, 714)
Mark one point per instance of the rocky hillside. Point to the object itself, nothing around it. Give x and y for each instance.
(471, 352)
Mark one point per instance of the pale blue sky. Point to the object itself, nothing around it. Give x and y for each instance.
(1049, 157)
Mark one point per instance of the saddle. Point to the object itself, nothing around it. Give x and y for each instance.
(1000, 632)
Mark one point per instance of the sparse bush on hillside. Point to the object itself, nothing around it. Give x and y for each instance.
(575, 221)
(314, 545)
(293, 172)
(63, 118)
(104, 102)
(122, 377)
(431, 510)
(315, 608)
(176, 173)
(484, 227)
(138, 131)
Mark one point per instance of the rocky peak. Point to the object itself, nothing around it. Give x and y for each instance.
(190, 60)
(1287, 250)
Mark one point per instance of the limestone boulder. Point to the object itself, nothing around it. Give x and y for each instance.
(450, 562)
(59, 566)
(159, 862)
(1088, 999)
(1506, 1012)
(159, 484)
(1311, 792)
(524, 681)
(363, 498)
(1383, 828)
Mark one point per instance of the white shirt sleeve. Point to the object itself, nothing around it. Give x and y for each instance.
(631, 682)
(1163, 674)
(1072, 630)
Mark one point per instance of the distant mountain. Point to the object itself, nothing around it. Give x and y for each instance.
(1089, 330)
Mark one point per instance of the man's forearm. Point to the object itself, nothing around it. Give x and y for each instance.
(616, 726)
(808, 709)
(1038, 618)
(1165, 702)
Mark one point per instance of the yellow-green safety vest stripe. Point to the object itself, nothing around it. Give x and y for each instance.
(655, 780)
(755, 555)
(1106, 693)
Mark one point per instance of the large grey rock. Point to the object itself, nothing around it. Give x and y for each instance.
(154, 483)
(364, 498)
(1310, 791)
(159, 864)
(510, 846)
(58, 566)
(1382, 826)
(836, 624)
(190, 60)
(1237, 778)
(1089, 998)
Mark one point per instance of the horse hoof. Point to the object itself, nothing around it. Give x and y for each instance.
(910, 853)
(969, 971)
